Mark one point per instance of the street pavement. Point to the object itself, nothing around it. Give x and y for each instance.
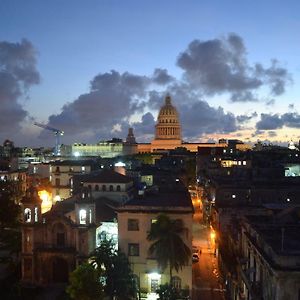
(207, 282)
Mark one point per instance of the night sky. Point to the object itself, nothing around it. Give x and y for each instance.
(94, 68)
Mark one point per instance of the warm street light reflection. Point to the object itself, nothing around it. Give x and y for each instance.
(213, 235)
(46, 200)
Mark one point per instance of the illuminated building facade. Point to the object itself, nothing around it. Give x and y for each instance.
(134, 223)
(54, 243)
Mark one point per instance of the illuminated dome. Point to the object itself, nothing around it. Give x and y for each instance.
(168, 125)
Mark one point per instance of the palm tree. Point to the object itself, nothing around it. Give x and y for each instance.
(168, 246)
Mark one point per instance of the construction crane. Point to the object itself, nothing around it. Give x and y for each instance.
(57, 133)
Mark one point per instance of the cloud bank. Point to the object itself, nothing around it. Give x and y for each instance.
(17, 74)
(116, 101)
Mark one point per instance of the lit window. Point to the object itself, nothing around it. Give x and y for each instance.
(90, 216)
(239, 163)
(82, 216)
(82, 168)
(153, 221)
(244, 163)
(27, 214)
(35, 214)
(133, 249)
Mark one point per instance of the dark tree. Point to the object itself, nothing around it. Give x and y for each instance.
(85, 284)
(114, 270)
(168, 246)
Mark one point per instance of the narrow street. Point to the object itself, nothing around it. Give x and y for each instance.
(207, 283)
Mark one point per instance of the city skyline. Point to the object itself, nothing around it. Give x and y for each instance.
(95, 69)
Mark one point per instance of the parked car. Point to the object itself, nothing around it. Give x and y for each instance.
(195, 257)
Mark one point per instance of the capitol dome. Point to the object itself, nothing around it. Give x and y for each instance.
(168, 125)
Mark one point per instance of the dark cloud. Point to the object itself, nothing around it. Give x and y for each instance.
(246, 118)
(200, 118)
(161, 76)
(144, 130)
(220, 66)
(275, 121)
(197, 116)
(277, 77)
(243, 96)
(113, 99)
(17, 73)
(269, 122)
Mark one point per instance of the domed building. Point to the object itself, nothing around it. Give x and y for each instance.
(168, 133)
(168, 124)
(167, 128)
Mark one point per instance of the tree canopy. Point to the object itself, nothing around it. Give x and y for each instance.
(85, 283)
(168, 246)
(114, 270)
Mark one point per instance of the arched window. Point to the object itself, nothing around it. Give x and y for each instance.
(97, 187)
(82, 216)
(176, 282)
(27, 215)
(103, 187)
(111, 188)
(118, 188)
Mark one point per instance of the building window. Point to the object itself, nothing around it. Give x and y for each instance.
(90, 213)
(133, 249)
(82, 168)
(153, 221)
(60, 239)
(57, 181)
(27, 215)
(103, 187)
(96, 187)
(35, 214)
(82, 216)
(57, 169)
(176, 282)
(111, 188)
(90, 187)
(133, 225)
(118, 188)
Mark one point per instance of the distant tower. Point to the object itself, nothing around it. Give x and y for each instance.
(168, 124)
(130, 139)
(31, 215)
